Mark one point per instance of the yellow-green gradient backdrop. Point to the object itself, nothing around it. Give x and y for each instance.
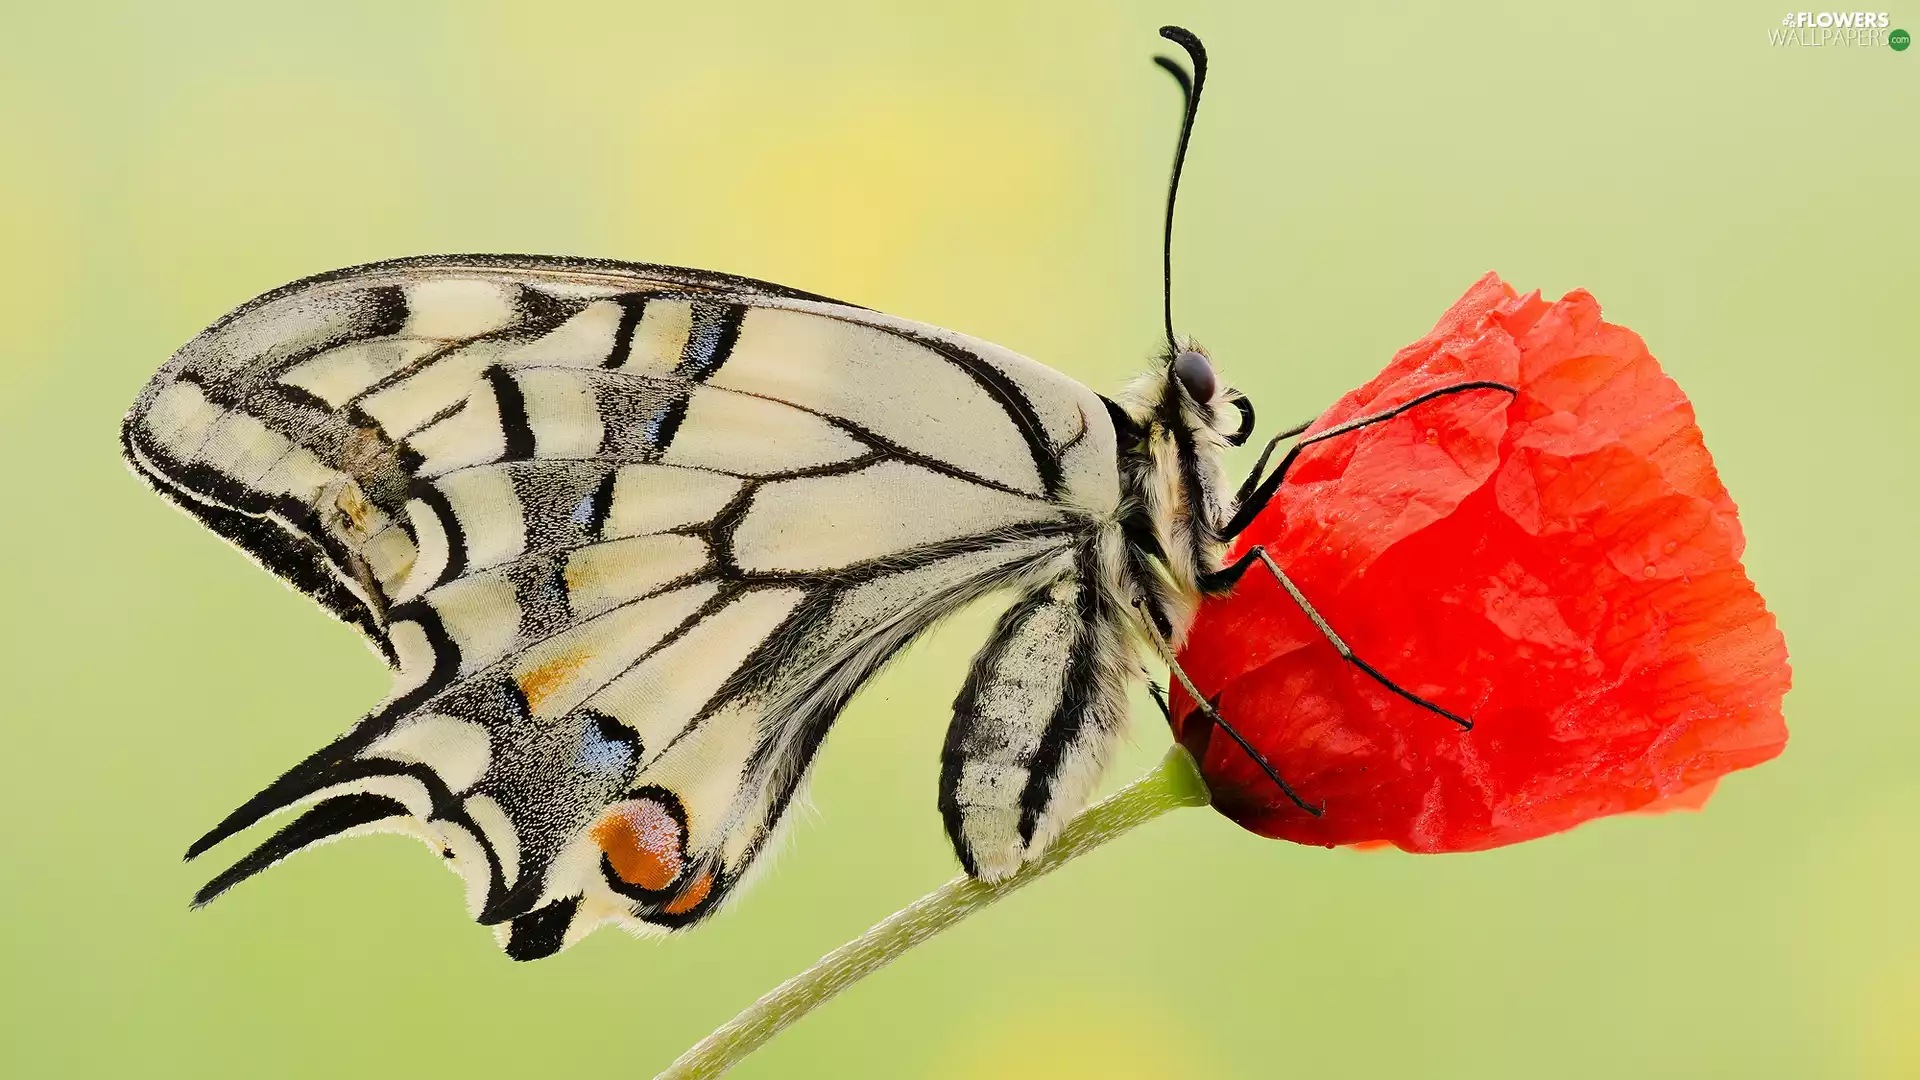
(996, 168)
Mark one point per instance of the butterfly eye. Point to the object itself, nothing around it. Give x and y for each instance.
(1195, 372)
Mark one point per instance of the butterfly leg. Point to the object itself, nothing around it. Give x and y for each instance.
(1034, 725)
(1225, 578)
(1255, 493)
(1252, 482)
(1210, 709)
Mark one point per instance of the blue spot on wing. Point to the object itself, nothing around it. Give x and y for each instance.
(599, 754)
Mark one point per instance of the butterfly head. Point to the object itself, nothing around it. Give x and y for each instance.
(1173, 426)
(1184, 404)
(1223, 410)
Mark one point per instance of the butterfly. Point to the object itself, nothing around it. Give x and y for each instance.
(631, 536)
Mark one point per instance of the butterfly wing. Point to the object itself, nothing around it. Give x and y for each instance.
(630, 536)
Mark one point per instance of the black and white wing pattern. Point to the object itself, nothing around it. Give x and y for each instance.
(630, 536)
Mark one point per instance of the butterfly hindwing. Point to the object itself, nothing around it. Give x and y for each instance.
(631, 537)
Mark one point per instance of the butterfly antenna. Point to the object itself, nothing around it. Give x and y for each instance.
(1190, 87)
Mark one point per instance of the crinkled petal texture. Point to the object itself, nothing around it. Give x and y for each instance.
(1563, 566)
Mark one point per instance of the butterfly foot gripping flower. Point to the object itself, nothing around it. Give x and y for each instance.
(1561, 565)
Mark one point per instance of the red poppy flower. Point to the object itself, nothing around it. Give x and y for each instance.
(1563, 566)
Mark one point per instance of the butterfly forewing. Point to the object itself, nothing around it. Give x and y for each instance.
(630, 535)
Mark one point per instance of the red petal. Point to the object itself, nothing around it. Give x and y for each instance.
(1563, 566)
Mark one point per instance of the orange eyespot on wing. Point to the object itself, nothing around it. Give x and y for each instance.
(645, 844)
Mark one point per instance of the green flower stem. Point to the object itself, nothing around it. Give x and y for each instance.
(1175, 782)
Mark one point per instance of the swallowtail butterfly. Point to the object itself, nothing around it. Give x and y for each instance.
(631, 536)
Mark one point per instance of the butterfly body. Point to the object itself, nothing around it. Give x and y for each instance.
(631, 536)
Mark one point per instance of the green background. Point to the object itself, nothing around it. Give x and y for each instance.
(1750, 210)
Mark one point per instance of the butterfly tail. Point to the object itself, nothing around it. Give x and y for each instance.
(327, 820)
